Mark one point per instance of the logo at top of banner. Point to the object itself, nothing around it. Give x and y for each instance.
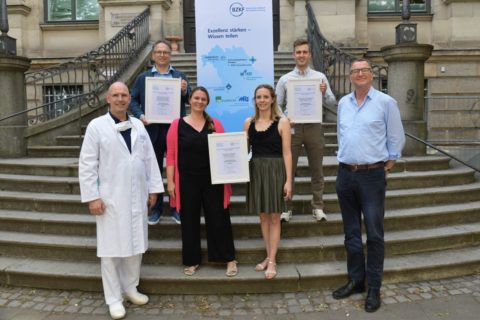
(236, 9)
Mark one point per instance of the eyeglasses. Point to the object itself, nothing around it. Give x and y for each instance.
(362, 70)
(162, 53)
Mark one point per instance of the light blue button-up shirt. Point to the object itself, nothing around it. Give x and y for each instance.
(156, 73)
(371, 132)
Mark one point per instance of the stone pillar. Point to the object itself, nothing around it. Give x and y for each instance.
(12, 97)
(406, 84)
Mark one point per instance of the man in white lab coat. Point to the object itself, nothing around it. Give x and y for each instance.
(119, 178)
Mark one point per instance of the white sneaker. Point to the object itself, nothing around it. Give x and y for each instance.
(286, 216)
(136, 298)
(117, 310)
(319, 215)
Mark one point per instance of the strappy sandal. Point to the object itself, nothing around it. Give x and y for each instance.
(262, 265)
(190, 270)
(232, 269)
(270, 274)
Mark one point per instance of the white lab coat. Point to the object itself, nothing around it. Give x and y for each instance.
(123, 181)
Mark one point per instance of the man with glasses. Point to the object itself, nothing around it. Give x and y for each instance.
(310, 135)
(370, 140)
(161, 56)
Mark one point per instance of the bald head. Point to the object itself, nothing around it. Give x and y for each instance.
(117, 85)
(118, 97)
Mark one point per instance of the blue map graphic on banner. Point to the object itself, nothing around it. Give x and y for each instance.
(234, 55)
(231, 100)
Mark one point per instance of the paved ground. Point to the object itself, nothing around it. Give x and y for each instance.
(456, 298)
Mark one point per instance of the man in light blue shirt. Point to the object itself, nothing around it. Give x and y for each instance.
(370, 140)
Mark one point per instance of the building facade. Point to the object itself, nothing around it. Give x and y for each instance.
(52, 31)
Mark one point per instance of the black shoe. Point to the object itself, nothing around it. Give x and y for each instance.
(347, 290)
(372, 303)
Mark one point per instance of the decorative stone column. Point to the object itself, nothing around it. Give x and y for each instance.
(12, 92)
(406, 84)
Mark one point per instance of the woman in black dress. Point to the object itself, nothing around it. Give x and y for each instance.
(270, 171)
(188, 167)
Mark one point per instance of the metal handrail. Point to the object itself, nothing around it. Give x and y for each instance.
(335, 63)
(38, 113)
(93, 72)
(451, 156)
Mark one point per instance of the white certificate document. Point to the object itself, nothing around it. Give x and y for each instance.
(162, 99)
(304, 100)
(228, 157)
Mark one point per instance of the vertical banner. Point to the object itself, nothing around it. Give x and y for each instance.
(234, 55)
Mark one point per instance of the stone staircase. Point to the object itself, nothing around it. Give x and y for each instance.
(47, 237)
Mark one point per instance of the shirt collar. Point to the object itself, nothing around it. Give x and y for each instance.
(170, 69)
(299, 72)
(370, 94)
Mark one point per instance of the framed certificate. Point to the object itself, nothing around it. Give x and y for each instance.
(304, 100)
(162, 99)
(228, 157)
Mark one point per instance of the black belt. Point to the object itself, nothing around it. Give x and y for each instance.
(360, 167)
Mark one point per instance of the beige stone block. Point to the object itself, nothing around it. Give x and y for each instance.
(340, 28)
(380, 34)
(286, 13)
(424, 32)
(324, 8)
(460, 68)
(345, 7)
(440, 10)
(300, 26)
(455, 85)
(462, 9)
(69, 43)
(465, 29)
(430, 70)
(440, 32)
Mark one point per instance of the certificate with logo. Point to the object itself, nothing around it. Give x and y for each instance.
(162, 99)
(304, 100)
(228, 157)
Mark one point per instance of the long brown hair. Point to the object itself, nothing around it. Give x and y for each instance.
(210, 123)
(273, 108)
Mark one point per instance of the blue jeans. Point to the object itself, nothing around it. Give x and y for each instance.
(363, 192)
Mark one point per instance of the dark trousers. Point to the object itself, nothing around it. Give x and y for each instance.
(158, 136)
(363, 192)
(197, 192)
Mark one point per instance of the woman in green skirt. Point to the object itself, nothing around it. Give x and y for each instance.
(270, 171)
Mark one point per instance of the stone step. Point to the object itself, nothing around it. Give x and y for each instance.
(74, 151)
(68, 167)
(396, 180)
(210, 278)
(396, 199)
(62, 167)
(245, 226)
(76, 140)
(301, 250)
(400, 180)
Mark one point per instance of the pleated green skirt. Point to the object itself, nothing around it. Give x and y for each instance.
(265, 189)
